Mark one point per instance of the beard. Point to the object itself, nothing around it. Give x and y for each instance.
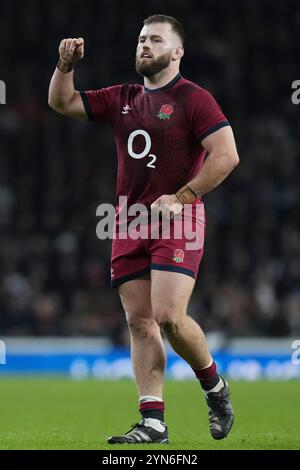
(153, 66)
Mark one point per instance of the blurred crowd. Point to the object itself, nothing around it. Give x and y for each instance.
(54, 172)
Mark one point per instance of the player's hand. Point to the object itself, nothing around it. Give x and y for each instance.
(168, 205)
(71, 50)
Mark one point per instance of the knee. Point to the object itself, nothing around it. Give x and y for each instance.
(139, 323)
(168, 321)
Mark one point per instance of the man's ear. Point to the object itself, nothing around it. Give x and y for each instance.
(178, 53)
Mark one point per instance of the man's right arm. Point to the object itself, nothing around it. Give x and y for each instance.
(63, 97)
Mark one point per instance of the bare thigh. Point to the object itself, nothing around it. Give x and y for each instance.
(170, 294)
(136, 299)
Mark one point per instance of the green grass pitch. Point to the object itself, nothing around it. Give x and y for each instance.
(63, 414)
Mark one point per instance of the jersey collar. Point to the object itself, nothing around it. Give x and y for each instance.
(165, 87)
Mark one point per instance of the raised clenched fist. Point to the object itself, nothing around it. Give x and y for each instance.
(71, 50)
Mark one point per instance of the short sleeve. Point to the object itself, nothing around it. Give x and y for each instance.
(205, 114)
(98, 104)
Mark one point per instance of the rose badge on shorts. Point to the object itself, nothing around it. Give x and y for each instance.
(178, 256)
(165, 111)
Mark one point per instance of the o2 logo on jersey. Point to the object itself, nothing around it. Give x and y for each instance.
(146, 150)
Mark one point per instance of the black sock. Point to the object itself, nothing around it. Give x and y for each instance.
(209, 384)
(208, 376)
(152, 409)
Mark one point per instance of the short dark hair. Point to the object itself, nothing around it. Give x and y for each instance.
(167, 19)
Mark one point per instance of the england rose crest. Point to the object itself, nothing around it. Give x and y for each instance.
(178, 256)
(165, 111)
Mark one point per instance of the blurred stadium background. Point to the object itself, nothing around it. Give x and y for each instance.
(58, 312)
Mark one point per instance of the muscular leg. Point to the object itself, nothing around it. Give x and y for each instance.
(147, 349)
(163, 302)
(170, 294)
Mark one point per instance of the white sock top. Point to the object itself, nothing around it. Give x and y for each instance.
(146, 398)
(206, 367)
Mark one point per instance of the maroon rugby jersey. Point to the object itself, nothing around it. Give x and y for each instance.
(158, 134)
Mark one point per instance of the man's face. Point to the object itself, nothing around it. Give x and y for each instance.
(157, 46)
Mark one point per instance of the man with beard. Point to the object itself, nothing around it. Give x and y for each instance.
(174, 145)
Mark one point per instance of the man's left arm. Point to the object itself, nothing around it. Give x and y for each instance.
(222, 158)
